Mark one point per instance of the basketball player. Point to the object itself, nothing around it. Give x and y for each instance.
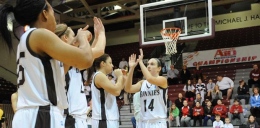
(75, 90)
(41, 92)
(153, 92)
(104, 107)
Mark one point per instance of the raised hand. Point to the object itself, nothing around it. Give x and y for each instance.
(132, 61)
(83, 33)
(98, 26)
(118, 72)
(141, 56)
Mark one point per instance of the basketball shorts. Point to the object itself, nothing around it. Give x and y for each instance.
(75, 122)
(39, 117)
(105, 124)
(154, 124)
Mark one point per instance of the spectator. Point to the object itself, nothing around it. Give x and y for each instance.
(255, 103)
(210, 87)
(208, 113)
(228, 124)
(243, 91)
(254, 77)
(14, 98)
(198, 113)
(216, 95)
(218, 123)
(236, 111)
(185, 74)
(172, 76)
(220, 109)
(136, 102)
(169, 104)
(198, 73)
(120, 99)
(123, 63)
(174, 115)
(179, 102)
(204, 103)
(200, 88)
(226, 86)
(189, 91)
(198, 99)
(185, 119)
(251, 123)
(139, 74)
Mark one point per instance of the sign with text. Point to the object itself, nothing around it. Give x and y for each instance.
(222, 56)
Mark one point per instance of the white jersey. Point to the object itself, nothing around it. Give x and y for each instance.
(40, 79)
(78, 105)
(153, 102)
(104, 106)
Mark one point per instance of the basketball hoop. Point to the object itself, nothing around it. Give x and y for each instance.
(170, 37)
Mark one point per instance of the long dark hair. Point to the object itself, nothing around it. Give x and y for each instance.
(25, 12)
(100, 59)
(187, 84)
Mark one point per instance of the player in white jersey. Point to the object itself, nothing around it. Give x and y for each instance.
(153, 92)
(41, 92)
(104, 107)
(77, 111)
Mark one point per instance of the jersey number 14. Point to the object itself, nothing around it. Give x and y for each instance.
(150, 106)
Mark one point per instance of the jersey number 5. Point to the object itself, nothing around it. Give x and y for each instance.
(20, 70)
(150, 106)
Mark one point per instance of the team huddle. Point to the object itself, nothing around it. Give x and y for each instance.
(49, 60)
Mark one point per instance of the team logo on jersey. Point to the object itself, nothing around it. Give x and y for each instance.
(149, 93)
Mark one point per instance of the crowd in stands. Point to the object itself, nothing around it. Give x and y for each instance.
(211, 108)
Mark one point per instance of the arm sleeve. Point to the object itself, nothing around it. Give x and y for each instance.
(213, 95)
(252, 104)
(177, 112)
(231, 109)
(231, 82)
(240, 109)
(176, 72)
(168, 74)
(184, 88)
(202, 111)
(204, 87)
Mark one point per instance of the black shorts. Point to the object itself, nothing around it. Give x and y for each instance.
(224, 92)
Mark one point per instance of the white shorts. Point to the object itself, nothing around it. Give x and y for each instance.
(81, 123)
(153, 124)
(39, 117)
(105, 124)
(75, 122)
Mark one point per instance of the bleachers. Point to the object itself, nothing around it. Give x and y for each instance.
(6, 89)
(228, 70)
(231, 38)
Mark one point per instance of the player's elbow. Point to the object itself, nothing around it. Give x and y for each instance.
(117, 92)
(86, 62)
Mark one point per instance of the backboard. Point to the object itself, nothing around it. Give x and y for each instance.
(194, 17)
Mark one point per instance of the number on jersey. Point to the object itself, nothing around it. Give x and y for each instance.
(150, 106)
(20, 70)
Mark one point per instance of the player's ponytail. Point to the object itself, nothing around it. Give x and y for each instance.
(5, 10)
(25, 12)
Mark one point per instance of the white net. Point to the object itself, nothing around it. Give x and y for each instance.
(170, 37)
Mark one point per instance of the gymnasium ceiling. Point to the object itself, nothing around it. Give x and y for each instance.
(78, 13)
